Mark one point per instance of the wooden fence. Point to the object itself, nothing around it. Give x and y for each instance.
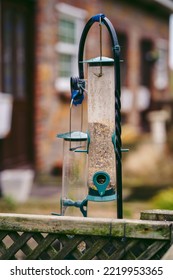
(52, 237)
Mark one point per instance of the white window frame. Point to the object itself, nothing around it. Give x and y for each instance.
(78, 16)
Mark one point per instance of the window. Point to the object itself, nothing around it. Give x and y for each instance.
(161, 66)
(14, 52)
(67, 31)
(65, 62)
(147, 59)
(123, 42)
(70, 27)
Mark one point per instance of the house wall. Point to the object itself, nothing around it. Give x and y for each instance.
(51, 105)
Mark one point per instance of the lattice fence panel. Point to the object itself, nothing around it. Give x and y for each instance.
(39, 246)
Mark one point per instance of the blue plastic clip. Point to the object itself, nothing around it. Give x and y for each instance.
(97, 17)
(77, 97)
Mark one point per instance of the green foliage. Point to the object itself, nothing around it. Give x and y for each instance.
(164, 200)
(8, 204)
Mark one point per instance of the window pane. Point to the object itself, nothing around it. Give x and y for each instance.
(161, 69)
(67, 31)
(146, 47)
(7, 52)
(20, 55)
(123, 42)
(65, 65)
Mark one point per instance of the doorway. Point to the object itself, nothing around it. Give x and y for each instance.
(17, 78)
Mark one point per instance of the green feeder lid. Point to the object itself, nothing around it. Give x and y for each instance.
(73, 136)
(99, 60)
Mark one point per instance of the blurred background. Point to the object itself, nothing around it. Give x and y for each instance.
(39, 42)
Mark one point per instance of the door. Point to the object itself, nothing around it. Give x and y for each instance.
(17, 65)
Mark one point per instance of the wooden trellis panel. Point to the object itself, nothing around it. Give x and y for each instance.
(56, 238)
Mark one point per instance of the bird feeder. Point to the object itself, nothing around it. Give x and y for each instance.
(101, 177)
(92, 159)
(74, 187)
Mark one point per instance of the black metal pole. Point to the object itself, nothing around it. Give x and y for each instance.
(116, 54)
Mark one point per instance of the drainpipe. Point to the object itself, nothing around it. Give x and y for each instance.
(0, 46)
(0, 91)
